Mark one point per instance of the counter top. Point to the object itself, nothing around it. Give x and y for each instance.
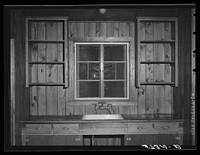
(78, 119)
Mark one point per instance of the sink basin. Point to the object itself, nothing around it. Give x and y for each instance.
(102, 117)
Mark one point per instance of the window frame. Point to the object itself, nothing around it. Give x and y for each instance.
(127, 74)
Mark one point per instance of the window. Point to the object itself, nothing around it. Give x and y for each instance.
(101, 70)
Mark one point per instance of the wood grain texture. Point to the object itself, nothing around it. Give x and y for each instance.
(41, 69)
(141, 90)
(124, 110)
(110, 29)
(90, 29)
(167, 70)
(51, 70)
(101, 29)
(132, 75)
(89, 109)
(22, 93)
(33, 48)
(12, 92)
(72, 30)
(133, 109)
(80, 29)
(124, 28)
(71, 94)
(79, 110)
(107, 128)
(149, 102)
(158, 69)
(60, 69)
(47, 73)
(132, 30)
(132, 62)
(116, 29)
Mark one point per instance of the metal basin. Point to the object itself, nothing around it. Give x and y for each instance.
(102, 117)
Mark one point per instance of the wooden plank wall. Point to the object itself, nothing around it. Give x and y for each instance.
(55, 100)
(46, 100)
(155, 99)
(181, 94)
(106, 29)
(101, 29)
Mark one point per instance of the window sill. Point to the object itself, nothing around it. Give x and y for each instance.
(113, 102)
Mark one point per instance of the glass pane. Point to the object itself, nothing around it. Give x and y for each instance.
(121, 71)
(82, 72)
(89, 89)
(114, 89)
(88, 53)
(94, 71)
(114, 53)
(109, 70)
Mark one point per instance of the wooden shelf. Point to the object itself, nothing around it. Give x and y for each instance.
(156, 41)
(46, 62)
(144, 37)
(157, 83)
(47, 41)
(157, 19)
(157, 62)
(61, 39)
(46, 84)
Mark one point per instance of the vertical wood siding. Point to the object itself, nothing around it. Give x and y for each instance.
(155, 99)
(55, 100)
(47, 100)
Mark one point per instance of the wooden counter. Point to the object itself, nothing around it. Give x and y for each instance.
(78, 119)
(42, 130)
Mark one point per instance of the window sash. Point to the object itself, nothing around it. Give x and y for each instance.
(102, 80)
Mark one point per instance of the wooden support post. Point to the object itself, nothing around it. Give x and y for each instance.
(66, 55)
(12, 89)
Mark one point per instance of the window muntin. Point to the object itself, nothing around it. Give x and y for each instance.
(101, 71)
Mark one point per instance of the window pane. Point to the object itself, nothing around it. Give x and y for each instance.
(88, 53)
(114, 89)
(92, 81)
(94, 71)
(114, 53)
(109, 70)
(82, 72)
(121, 71)
(89, 89)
